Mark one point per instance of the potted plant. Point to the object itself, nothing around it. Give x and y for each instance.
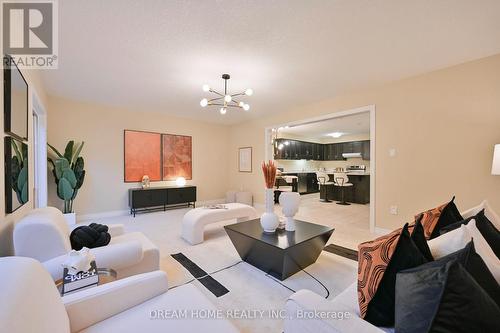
(20, 172)
(69, 174)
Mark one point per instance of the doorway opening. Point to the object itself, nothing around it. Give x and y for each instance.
(330, 161)
(39, 153)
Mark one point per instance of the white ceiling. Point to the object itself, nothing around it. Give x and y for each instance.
(155, 55)
(348, 125)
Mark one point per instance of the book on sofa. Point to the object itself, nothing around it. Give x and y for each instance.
(80, 281)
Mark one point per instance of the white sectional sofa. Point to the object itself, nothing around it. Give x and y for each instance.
(307, 311)
(31, 303)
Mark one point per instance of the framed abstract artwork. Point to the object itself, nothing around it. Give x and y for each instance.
(245, 159)
(142, 152)
(176, 156)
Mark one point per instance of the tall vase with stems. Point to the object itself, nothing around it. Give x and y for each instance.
(269, 220)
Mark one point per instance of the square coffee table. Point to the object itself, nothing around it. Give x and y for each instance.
(282, 253)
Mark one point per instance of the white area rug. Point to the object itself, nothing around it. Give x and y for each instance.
(249, 288)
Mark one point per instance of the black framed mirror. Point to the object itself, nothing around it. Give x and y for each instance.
(15, 96)
(16, 174)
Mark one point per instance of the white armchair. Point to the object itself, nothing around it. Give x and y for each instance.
(130, 305)
(44, 235)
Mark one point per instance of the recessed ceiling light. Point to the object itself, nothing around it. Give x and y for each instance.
(336, 134)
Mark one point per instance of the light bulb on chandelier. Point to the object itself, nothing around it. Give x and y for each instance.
(204, 102)
(223, 110)
(246, 107)
(206, 88)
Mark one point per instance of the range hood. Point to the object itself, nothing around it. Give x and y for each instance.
(352, 155)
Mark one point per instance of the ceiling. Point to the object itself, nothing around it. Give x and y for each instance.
(348, 125)
(155, 55)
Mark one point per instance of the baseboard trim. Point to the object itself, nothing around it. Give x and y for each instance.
(114, 213)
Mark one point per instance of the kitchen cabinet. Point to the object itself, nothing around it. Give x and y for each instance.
(302, 150)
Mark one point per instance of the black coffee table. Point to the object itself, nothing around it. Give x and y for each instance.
(280, 254)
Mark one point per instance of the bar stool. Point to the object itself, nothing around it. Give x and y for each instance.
(341, 180)
(324, 181)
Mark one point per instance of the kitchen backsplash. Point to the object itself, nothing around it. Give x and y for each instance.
(298, 165)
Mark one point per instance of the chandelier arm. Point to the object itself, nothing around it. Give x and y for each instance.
(216, 92)
(238, 94)
(214, 99)
(228, 105)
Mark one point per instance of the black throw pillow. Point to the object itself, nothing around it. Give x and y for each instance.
(449, 215)
(485, 227)
(93, 235)
(442, 296)
(380, 310)
(418, 237)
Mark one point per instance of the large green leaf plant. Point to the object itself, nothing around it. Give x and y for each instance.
(19, 167)
(68, 172)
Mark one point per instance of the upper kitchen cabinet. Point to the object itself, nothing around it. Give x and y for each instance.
(365, 150)
(301, 150)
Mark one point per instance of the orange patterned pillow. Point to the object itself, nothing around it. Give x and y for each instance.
(373, 258)
(430, 218)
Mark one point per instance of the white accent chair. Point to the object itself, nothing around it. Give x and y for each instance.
(43, 235)
(31, 303)
(342, 180)
(194, 221)
(323, 183)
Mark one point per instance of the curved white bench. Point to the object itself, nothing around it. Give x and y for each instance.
(194, 221)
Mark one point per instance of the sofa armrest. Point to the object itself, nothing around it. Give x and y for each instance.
(115, 256)
(309, 312)
(113, 229)
(90, 306)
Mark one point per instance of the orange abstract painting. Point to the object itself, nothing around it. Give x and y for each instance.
(142, 155)
(177, 157)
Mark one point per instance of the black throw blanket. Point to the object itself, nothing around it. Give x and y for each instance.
(93, 235)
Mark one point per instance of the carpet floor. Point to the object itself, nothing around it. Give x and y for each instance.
(240, 285)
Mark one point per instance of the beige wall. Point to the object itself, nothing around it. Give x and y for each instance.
(7, 221)
(443, 125)
(102, 128)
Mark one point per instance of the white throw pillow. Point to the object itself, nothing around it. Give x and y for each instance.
(457, 239)
(484, 250)
(488, 211)
(449, 242)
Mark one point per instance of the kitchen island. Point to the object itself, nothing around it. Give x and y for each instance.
(359, 193)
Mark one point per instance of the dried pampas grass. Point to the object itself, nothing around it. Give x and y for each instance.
(269, 170)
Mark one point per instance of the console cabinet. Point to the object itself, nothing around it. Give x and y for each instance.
(155, 198)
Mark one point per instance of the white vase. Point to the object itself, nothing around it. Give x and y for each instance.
(290, 202)
(269, 220)
(70, 219)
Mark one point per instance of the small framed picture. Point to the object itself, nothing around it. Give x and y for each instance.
(245, 159)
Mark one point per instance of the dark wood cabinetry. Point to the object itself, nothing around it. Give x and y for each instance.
(301, 150)
(161, 198)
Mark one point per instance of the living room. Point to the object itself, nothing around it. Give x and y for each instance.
(129, 82)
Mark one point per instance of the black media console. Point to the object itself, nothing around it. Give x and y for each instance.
(156, 198)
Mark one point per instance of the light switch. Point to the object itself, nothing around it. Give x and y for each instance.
(393, 210)
(392, 152)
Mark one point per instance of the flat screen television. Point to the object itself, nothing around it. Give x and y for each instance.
(15, 94)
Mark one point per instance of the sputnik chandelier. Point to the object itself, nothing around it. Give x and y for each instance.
(225, 100)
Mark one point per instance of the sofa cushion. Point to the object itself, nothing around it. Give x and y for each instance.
(418, 237)
(156, 315)
(485, 227)
(457, 239)
(442, 296)
(439, 217)
(379, 310)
